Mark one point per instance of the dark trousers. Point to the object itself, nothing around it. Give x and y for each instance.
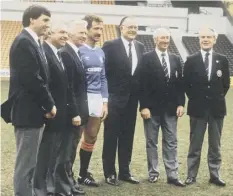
(46, 161)
(198, 127)
(119, 130)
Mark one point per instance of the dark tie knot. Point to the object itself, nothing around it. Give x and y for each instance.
(163, 54)
(207, 54)
(130, 44)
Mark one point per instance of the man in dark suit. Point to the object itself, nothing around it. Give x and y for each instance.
(33, 103)
(161, 103)
(123, 56)
(206, 80)
(76, 77)
(53, 142)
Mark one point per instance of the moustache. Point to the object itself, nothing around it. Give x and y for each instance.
(97, 35)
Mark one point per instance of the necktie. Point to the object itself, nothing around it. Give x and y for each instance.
(42, 50)
(206, 62)
(130, 56)
(79, 55)
(165, 68)
(60, 59)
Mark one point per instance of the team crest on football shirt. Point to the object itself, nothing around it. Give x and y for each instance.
(219, 73)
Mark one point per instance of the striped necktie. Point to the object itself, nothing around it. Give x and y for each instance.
(164, 65)
(206, 62)
(130, 56)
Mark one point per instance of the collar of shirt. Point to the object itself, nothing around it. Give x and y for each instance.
(203, 53)
(75, 48)
(166, 57)
(126, 43)
(54, 49)
(159, 53)
(33, 34)
(89, 47)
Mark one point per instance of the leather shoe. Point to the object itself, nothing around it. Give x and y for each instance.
(129, 179)
(190, 180)
(217, 181)
(175, 182)
(153, 179)
(112, 180)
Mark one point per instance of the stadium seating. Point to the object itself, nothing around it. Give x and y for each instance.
(9, 30)
(223, 46)
(104, 2)
(148, 41)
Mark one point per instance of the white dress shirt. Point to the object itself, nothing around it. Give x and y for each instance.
(55, 50)
(166, 57)
(33, 34)
(210, 57)
(134, 53)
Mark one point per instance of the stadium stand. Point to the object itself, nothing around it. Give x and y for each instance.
(148, 41)
(223, 46)
(103, 2)
(9, 30)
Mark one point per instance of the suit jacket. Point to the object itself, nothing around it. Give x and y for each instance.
(121, 83)
(76, 79)
(157, 94)
(205, 95)
(29, 77)
(63, 96)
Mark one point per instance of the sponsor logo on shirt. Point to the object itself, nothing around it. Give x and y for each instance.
(94, 69)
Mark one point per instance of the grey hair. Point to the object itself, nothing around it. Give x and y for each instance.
(74, 23)
(210, 29)
(160, 30)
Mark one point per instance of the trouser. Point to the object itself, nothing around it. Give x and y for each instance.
(198, 127)
(27, 143)
(169, 144)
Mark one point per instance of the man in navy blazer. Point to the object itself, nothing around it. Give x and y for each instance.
(206, 81)
(161, 103)
(33, 103)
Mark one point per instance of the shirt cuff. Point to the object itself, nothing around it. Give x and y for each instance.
(105, 100)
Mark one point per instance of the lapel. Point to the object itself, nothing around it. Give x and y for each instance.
(75, 57)
(123, 52)
(172, 64)
(42, 56)
(139, 55)
(54, 58)
(201, 66)
(214, 65)
(157, 63)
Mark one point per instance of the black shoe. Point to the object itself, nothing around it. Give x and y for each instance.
(153, 179)
(190, 180)
(112, 180)
(88, 180)
(129, 179)
(217, 181)
(175, 182)
(77, 190)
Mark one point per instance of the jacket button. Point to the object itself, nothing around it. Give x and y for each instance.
(206, 97)
(208, 86)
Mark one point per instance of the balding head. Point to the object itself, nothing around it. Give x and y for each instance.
(128, 28)
(57, 33)
(77, 31)
(162, 38)
(207, 38)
